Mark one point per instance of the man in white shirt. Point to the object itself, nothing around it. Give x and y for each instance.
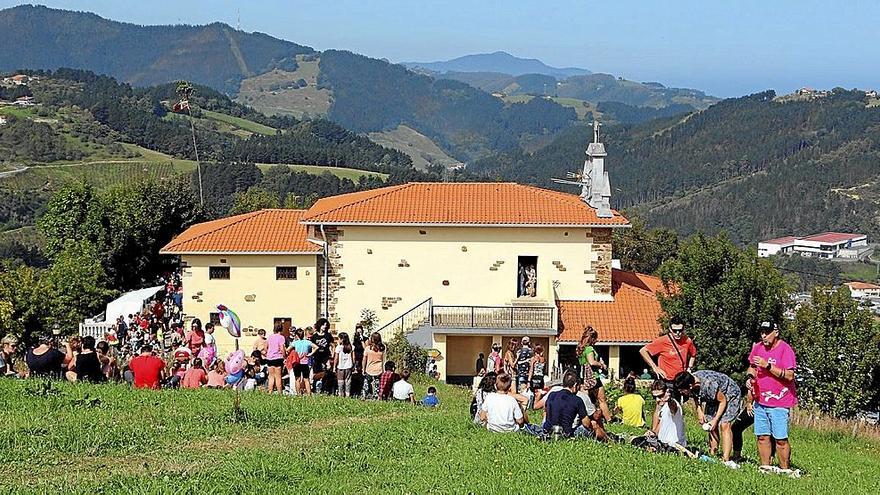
(500, 412)
(402, 389)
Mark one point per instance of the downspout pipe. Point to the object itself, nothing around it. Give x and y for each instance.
(326, 285)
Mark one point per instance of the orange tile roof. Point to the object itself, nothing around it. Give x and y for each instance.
(274, 231)
(862, 285)
(631, 318)
(462, 203)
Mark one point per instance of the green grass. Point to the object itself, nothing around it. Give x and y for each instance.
(859, 271)
(341, 172)
(28, 235)
(85, 439)
(240, 123)
(51, 177)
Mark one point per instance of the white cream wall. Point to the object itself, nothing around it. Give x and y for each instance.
(370, 258)
(251, 275)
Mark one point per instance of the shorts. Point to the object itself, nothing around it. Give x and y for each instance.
(734, 404)
(301, 371)
(771, 421)
(537, 382)
(275, 363)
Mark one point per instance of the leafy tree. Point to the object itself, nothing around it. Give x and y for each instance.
(838, 349)
(253, 199)
(641, 249)
(722, 293)
(127, 224)
(78, 283)
(25, 297)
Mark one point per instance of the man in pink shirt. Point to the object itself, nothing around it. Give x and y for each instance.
(772, 366)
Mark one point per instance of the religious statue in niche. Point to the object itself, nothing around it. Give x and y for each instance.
(527, 276)
(531, 281)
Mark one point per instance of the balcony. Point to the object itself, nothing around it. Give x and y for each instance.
(493, 317)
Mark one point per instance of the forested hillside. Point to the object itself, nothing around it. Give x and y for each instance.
(215, 55)
(373, 95)
(754, 166)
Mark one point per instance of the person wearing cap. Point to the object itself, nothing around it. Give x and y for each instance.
(772, 363)
(675, 352)
(495, 361)
(523, 365)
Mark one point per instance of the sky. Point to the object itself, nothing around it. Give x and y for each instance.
(725, 48)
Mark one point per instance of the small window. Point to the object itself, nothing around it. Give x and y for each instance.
(285, 273)
(218, 273)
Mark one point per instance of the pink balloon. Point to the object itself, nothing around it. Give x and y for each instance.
(235, 362)
(207, 355)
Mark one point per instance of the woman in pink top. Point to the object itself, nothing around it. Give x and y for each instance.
(275, 358)
(194, 377)
(217, 376)
(374, 362)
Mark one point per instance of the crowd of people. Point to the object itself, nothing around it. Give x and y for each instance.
(137, 351)
(577, 406)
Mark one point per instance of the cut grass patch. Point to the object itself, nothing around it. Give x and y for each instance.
(352, 174)
(137, 441)
(240, 123)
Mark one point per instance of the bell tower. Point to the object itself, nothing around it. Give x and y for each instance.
(594, 182)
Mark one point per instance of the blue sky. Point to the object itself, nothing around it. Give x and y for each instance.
(724, 48)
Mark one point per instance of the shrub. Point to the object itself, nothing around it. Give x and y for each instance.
(406, 355)
(838, 350)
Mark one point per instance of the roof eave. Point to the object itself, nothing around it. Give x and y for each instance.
(437, 224)
(178, 253)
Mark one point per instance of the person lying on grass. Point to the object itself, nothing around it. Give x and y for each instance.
(500, 411)
(718, 401)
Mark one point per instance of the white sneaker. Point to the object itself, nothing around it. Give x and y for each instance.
(767, 469)
(731, 464)
(791, 473)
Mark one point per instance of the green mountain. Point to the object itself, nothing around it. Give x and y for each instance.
(498, 62)
(215, 55)
(757, 166)
(93, 128)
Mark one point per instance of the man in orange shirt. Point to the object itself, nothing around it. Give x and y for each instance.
(675, 352)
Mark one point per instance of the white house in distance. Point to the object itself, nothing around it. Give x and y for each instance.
(863, 290)
(453, 266)
(825, 245)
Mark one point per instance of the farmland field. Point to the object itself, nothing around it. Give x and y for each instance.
(88, 439)
(341, 172)
(240, 123)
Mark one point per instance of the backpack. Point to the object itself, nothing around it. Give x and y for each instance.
(291, 359)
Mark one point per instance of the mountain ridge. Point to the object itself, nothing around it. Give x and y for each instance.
(498, 61)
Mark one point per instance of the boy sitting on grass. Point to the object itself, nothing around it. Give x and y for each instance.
(387, 379)
(402, 389)
(431, 399)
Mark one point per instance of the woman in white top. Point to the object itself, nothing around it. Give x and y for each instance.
(668, 422)
(343, 363)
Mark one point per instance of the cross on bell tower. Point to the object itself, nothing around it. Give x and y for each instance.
(594, 182)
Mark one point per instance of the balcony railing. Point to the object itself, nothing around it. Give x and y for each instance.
(492, 317)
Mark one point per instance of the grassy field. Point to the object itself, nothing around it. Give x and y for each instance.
(419, 147)
(859, 271)
(274, 93)
(240, 123)
(341, 172)
(88, 439)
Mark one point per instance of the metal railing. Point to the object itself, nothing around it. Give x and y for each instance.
(492, 317)
(408, 321)
(96, 330)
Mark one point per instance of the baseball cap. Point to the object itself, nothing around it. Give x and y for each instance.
(526, 340)
(767, 326)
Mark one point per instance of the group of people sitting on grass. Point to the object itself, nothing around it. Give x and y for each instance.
(308, 361)
(577, 407)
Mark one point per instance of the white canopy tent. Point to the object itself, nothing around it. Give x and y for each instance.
(129, 303)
